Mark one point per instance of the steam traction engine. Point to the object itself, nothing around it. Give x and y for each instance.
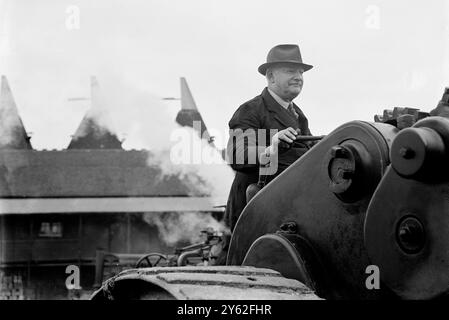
(367, 195)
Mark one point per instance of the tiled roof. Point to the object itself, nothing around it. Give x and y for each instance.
(88, 173)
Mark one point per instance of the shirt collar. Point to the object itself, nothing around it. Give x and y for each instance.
(278, 99)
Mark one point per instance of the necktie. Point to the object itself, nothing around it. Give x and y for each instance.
(292, 111)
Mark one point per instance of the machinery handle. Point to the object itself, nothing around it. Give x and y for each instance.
(308, 138)
(284, 146)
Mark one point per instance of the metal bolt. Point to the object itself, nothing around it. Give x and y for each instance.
(411, 235)
(406, 153)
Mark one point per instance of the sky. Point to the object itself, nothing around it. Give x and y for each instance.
(367, 56)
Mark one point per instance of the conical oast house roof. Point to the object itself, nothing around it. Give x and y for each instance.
(12, 130)
(90, 133)
(189, 116)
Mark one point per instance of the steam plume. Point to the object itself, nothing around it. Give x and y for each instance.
(177, 227)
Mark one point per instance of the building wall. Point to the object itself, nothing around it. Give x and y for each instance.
(39, 259)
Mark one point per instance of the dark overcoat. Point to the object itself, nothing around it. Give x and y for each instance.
(261, 112)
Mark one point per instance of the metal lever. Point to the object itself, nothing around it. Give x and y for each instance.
(308, 138)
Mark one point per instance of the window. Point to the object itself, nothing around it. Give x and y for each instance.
(50, 230)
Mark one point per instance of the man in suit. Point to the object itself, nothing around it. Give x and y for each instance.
(261, 124)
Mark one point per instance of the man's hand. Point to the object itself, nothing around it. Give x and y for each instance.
(284, 136)
(288, 135)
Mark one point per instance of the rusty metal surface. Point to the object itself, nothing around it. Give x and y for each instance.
(210, 283)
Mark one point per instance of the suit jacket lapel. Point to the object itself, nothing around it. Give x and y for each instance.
(279, 113)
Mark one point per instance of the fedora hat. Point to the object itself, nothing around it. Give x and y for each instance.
(284, 53)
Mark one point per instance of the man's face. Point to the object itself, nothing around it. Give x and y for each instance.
(286, 80)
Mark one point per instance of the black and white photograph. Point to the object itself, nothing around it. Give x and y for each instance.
(241, 151)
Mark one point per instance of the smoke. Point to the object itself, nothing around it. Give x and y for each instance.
(147, 123)
(175, 227)
(209, 177)
(194, 161)
(136, 116)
